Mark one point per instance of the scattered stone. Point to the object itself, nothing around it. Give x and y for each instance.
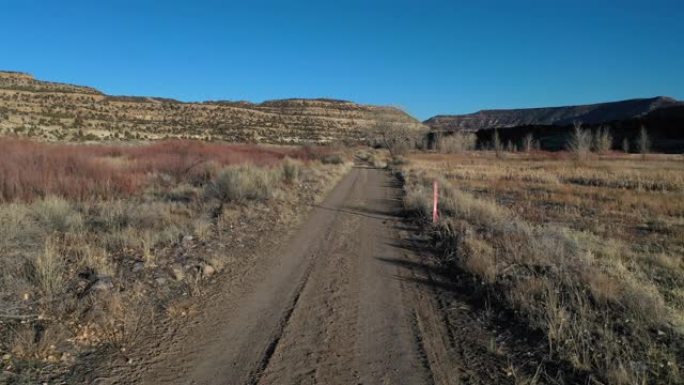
(160, 281)
(178, 272)
(6, 376)
(67, 358)
(138, 266)
(6, 357)
(193, 268)
(187, 240)
(103, 283)
(208, 270)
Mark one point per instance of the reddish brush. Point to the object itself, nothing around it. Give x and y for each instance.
(31, 170)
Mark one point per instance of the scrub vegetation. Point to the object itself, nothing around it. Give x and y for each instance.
(587, 254)
(98, 242)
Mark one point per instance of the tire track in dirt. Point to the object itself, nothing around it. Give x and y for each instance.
(263, 363)
(340, 302)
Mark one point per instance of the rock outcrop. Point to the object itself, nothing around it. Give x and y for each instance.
(589, 114)
(56, 111)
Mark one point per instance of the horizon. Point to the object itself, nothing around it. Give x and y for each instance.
(397, 54)
(334, 99)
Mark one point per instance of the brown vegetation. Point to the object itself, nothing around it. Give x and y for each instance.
(30, 170)
(590, 255)
(457, 143)
(98, 242)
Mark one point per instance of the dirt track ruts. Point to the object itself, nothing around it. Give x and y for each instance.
(339, 303)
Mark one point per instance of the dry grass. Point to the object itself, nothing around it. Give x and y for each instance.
(49, 270)
(94, 240)
(243, 183)
(457, 143)
(31, 170)
(590, 254)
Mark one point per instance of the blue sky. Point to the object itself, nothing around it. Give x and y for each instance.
(429, 57)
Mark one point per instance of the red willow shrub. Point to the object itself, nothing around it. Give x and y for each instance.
(32, 170)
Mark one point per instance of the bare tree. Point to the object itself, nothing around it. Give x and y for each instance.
(603, 140)
(579, 143)
(457, 143)
(528, 142)
(397, 137)
(398, 140)
(496, 143)
(625, 145)
(644, 142)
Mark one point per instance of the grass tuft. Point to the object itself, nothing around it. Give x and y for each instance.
(241, 184)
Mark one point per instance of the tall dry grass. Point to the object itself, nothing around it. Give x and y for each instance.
(95, 240)
(31, 170)
(559, 245)
(242, 183)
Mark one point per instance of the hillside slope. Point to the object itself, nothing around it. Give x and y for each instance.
(664, 127)
(557, 116)
(56, 111)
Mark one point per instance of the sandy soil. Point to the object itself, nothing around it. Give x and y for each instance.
(345, 299)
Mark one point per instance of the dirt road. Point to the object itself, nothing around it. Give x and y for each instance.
(340, 302)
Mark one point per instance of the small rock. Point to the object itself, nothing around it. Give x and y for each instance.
(138, 266)
(160, 281)
(103, 283)
(6, 357)
(187, 240)
(6, 376)
(208, 270)
(67, 358)
(177, 272)
(193, 268)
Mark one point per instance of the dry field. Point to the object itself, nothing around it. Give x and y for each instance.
(587, 255)
(97, 243)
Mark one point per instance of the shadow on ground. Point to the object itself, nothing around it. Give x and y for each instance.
(469, 306)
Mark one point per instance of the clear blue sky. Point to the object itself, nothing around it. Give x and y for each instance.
(429, 57)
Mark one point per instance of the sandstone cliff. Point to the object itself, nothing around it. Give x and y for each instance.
(56, 111)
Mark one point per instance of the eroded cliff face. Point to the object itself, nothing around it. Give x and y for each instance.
(56, 111)
(556, 116)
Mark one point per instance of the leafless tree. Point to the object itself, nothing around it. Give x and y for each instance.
(397, 137)
(457, 143)
(528, 142)
(496, 144)
(644, 142)
(579, 143)
(603, 140)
